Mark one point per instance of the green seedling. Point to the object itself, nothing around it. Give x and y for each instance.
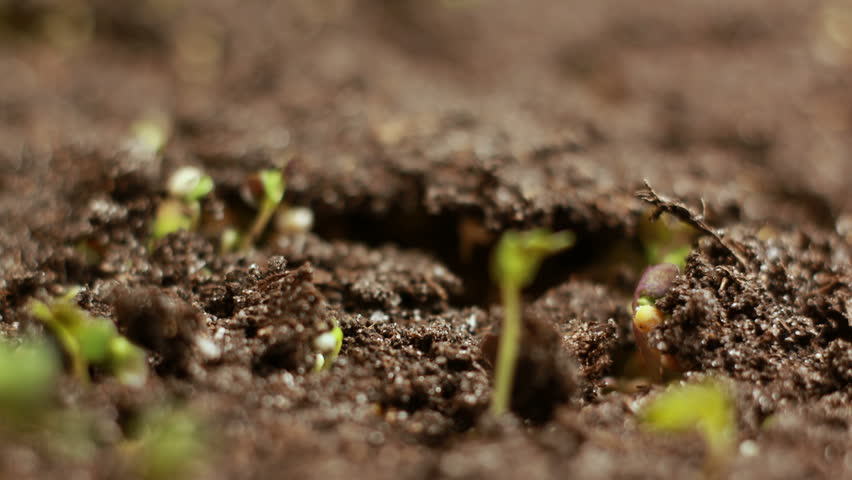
(704, 407)
(28, 376)
(516, 261)
(150, 133)
(182, 209)
(655, 282)
(327, 346)
(90, 341)
(170, 444)
(666, 240)
(265, 190)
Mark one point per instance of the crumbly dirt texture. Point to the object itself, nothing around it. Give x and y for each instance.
(416, 132)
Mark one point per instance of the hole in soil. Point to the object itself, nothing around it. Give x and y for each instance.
(440, 236)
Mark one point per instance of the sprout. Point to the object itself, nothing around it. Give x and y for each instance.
(90, 340)
(515, 264)
(150, 133)
(655, 282)
(190, 184)
(705, 407)
(666, 240)
(170, 444)
(182, 210)
(28, 376)
(294, 220)
(264, 190)
(328, 347)
(230, 240)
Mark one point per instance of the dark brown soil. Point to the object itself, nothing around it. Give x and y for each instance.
(416, 132)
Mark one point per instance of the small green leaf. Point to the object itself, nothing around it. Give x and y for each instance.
(28, 376)
(94, 339)
(273, 185)
(202, 189)
(172, 216)
(127, 362)
(171, 444)
(704, 407)
(519, 254)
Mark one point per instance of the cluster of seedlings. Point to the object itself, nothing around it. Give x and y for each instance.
(166, 438)
(263, 191)
(705, 407)
(164, 442)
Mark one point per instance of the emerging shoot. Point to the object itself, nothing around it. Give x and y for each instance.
(516, 261)
(653, 285)
(264, 190)
(706, 408)
(28, 376)
(170, 444)
(182, 209)
(91, 341)
(666, 240)
(327, 346)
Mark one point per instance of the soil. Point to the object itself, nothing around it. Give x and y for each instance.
(416, 132)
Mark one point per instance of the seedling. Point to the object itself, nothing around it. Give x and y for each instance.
(182, 209)
(90, 341)
(265, 190)
(150, 133)
(704, 407)
(28, 376)
(653, 285)
(294, 220)
(170, 444)
(666, 240)
(327, 346)
(516, 261)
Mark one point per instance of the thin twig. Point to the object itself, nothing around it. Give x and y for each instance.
(684, 214)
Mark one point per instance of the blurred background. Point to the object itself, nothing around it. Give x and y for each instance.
(699, 96)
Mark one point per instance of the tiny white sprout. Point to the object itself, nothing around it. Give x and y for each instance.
(150, 133)
(295, 220)
(207, 348)
(749, 448)
(184, 180)
(326, 342)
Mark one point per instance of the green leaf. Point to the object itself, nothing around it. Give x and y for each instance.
(127, 362)
(94, 340)
(171, 217)
(171, 444)
(273, 185)
(202, 189)
(703, 407)
(518, 255)
(28, 376)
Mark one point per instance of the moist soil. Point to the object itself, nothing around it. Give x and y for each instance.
(417, 132)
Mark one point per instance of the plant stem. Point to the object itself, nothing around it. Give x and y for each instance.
(258, 226)
(507, 355)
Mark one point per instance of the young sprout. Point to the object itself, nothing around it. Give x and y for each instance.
(516, 261)
(230, 240)
(169, 444)
(264, 190)
(654, 284)
(666, 240)
(91, 341)
(327, 346)
(28, 376)
(704, 407)
(294, 220)
(150, 134)
(182, 209)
